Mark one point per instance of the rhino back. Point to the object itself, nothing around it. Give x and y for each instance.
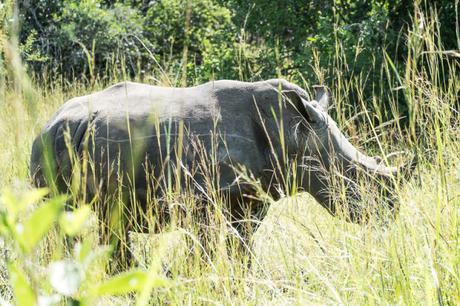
(130, 123)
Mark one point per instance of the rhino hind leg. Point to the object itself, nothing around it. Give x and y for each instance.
(43, 165)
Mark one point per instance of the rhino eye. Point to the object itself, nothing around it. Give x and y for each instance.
(322, 123)
(352, 170)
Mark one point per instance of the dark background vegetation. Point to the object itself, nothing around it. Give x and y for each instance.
(186, 42)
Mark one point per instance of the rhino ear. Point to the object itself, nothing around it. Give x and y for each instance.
(310, 109)
(313, 111)
(323, 96)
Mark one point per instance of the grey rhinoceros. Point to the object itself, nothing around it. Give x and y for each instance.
(141, 136)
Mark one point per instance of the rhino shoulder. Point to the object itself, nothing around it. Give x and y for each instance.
(125, 87)
(286, 87)
(268, 93)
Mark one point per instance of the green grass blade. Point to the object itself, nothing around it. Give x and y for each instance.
(23, 292)
(132, 281)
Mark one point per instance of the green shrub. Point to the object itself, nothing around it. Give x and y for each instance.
(65, 279)
(84, 37)
(198, 34)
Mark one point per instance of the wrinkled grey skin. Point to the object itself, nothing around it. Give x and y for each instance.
(130, 117)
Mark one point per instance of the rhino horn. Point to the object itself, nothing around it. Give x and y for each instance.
(404, 171)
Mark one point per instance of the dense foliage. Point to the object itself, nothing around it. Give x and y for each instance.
(232, 39)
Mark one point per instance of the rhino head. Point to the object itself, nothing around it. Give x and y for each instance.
(334, 171)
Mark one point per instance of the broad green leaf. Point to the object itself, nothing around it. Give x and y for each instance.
(65, 276)
(33, 229)
(73, 222)
(127, 282)
(123, 283)
(86, 253)
(23, 293)
(16, 204)
(32, 197)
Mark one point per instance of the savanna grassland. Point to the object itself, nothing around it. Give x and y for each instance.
(404, 101)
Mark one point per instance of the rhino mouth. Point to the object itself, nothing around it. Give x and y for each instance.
(358, 188)
(371, 189)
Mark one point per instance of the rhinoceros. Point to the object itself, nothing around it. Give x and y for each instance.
(216, 134)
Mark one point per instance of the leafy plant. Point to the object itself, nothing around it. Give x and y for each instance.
(83, 37)
(69, 279)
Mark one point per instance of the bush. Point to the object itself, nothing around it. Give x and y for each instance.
(84, 38)
(198, 34)
(192, 41)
